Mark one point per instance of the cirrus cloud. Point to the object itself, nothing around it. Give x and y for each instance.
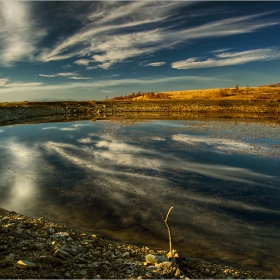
(156, 64)
(229, 58)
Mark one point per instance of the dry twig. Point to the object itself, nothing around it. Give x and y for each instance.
(171, 253)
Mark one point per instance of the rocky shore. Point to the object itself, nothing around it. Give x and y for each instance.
(38, 248)
(30, 112)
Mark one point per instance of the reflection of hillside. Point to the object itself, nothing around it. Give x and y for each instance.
(164, 109)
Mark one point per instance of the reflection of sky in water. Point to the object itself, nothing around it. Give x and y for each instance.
(115, 179)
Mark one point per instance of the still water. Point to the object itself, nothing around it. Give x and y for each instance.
(115, 178)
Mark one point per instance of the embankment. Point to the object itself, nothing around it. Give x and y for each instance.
(30, 112)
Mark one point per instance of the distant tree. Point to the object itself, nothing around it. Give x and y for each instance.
(237, 89)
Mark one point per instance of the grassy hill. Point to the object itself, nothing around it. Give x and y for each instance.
(266, 92)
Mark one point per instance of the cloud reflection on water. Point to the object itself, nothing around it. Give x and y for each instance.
(118, 184)
(226, 145)
(22, 166)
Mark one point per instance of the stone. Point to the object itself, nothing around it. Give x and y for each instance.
(155, 259)
(164, 270)
(25, 264)
(60, 235)
(61, 253)
(83, 272)
(126, 254)
(51, 231)
(97, 276)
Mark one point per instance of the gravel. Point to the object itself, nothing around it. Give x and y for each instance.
(37, 248)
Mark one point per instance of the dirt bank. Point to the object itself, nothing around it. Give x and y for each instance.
(30, 112)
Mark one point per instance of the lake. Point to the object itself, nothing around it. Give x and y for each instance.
(114, 178)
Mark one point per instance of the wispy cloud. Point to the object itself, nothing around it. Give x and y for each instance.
(47, 76)
(26, 85)
(220, 50)
(4, 81)
(19, 33)
(108, 43)
(66, 74)
(70, 75)
(229, 58)
(84, 62)
(79, 78)
(111, 32)
(156, 64)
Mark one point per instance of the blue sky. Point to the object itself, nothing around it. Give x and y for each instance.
(65, 50)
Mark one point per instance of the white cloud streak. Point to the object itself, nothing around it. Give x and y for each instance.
(4, 81)
(229, 58)
(84, 62)
(79, 78)
(156, 64)
(70, 75)
(66, 74)
(47, 76)
(108, 44)
(18, 32)
(105, 37)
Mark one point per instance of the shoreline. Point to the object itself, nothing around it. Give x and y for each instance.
(66, 111)
(39, 249)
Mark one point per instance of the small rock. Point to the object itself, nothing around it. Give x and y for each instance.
(51, 231)
(25, 264)
(97, 276)
(155, 259)
(83, 272)
(61, 253)
(206, 271)
(60, 235)
(126, 254)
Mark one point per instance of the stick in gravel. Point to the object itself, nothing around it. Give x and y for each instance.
(170, 254)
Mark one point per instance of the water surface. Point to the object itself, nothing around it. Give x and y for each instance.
(115, 178)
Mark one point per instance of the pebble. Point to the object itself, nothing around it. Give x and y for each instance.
(126, 254)
(155, 259)
(61, 253)
(60, 235)
(25, 264)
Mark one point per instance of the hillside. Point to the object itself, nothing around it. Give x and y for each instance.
(266, 92)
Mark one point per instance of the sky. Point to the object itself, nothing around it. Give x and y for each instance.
(93, 50)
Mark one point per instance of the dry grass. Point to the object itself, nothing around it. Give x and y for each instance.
(237, 93)
(241, 93)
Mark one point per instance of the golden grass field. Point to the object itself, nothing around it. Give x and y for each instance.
(270, 93)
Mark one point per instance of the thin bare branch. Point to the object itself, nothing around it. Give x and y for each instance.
(169, 231)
